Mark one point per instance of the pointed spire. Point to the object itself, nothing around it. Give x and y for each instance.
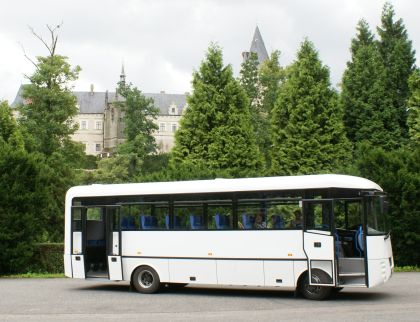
(258, 47)
(122, 76)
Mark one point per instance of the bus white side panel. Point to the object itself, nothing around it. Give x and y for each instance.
(240, 272)
(114, 268)
(200, 271)
(78, 266)
(77, 242)
(239, 244)
(279, 273)
(67, 265)
(159, 265)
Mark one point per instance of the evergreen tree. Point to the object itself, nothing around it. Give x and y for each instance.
(250, 82)
(216, 131)
(271, 75)
(414, 108)
(9, 133)
(23, 196)
(368, 112)
(398, 58)
(307, 130)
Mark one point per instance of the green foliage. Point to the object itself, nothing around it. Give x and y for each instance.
(139, 114)
(369, 115)
(307, 130)
(399, 269)
(23, 203)
(398, 173)
(46, 123)
(249, 80)
(271, 75)
(413, 119)
(216, 132)
(9, 132)
(398, 58)
(48, 258)
(50, 105)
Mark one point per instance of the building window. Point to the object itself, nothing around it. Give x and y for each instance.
(173, 110)
(97, 147)
(83, 125)
(174, 127)
(98, 125)
(162, 127)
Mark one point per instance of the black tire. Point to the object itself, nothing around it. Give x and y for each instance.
(146, 280)
(313, 292)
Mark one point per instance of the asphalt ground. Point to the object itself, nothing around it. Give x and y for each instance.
(65, 299)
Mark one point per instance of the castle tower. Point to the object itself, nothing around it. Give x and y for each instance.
(258, 47)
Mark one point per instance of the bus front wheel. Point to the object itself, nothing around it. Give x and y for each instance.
(146, 280)
(314, 292)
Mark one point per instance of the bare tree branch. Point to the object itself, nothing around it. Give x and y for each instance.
(27, 57)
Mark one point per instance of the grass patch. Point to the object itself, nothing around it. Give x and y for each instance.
(407, 269)
(35, 275)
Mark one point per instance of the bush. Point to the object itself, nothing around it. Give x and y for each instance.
(48, 258)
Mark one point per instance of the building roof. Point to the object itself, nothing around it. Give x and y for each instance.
(321, 181)
(258, 47)
(94, 102)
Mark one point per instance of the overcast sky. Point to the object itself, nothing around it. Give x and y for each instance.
(162, 42)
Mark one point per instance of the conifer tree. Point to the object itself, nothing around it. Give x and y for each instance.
(216, 131)
(399, 60)
(307, 130)
(414, 108)
(271, 74)
(368, 112)
(250, 82)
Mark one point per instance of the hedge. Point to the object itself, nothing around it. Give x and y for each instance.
(48, 258)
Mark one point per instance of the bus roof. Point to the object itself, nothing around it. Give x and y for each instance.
(321, 181)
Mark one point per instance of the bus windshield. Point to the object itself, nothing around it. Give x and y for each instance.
(376, 215)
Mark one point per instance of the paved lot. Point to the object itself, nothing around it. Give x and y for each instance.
(67, 299)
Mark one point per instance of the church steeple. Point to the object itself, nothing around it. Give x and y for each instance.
(258, 47)
(122, 76)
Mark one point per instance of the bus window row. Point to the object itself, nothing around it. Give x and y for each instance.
(211, 217)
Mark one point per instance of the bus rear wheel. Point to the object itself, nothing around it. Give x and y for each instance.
(146, 280)
(314, 292)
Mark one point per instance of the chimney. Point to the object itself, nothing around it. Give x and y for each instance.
(91, 89)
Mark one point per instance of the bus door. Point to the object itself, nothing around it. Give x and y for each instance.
(113, 243)
(78, 229)
(318, 241)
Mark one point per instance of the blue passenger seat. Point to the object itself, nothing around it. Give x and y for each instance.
(222, 221)
(177, 222)
(278, 222)
(148, 222)
(248, 221)
(127, 223)
(359, 244)
(196, 222)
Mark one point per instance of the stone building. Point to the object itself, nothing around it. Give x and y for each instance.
(101, 126)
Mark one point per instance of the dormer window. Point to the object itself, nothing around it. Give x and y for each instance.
(173, 110)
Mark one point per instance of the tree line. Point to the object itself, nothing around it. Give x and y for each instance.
(271, 120)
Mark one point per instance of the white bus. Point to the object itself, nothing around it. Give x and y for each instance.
(313, 233)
